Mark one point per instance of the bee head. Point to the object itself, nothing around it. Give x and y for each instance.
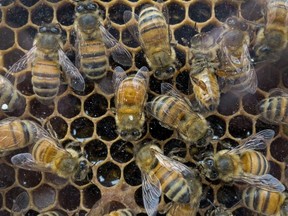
(208, 168)
(130, 135)
(82, 169)
(165, 73)
(205, 140)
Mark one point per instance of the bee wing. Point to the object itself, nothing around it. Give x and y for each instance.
(26, 161)
(119, 53)
(173, 164)
(21, 202)
(132, 28)
(266, 181)
(118, 76)
(142, 73)
(76, 81)
(257, 141)
(151, 190)
(22, 63)
(278, 92)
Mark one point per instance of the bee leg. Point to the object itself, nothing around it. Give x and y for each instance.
(165, 208)
(226, 145)
(172, 154)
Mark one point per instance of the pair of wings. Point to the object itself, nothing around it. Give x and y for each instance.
(257, 142)
(151, 187)
(119, 75)
(75, 79)
(119, 53)
(277, 92)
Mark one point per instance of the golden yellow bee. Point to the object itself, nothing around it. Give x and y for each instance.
(203, 71)
(10, 98)
(130, 98)
(243, 164)
(236, 71)
(175, 112)
(273, 109)
(46, 56)
(16, 133)
(161, 174)
(47, 156)
(153, 34)
(265, 202)
(93, 40)
(121, 212)
(271, 39)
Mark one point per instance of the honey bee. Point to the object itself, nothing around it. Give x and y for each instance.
(92, 41)
(121, 212)
(243, 164)
(161, 174)
(271, 39)
(130, 98)
(16, 133)
(203, 74)
(175, 112)
(46, 56)
(47, 156)
(236, 71)
(273, 108)
(153, 34)
(265, 202)
(220, 211)
(10, 98)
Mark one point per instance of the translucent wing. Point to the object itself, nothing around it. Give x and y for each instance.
(266, 181)
(26, 161)
(257, 141)
(173, 164)
(151, 190)
(21, 202)
(119, 53)
(118, 76)
(278, 92)
(132, 27)
(143, 74)
(23, 61)
(76, 81)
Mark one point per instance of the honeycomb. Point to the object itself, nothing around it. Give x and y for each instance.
(88, 116)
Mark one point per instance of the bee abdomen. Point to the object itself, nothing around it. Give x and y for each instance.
(262, 201)
(255, 163)
(173, 186)
(121, 212)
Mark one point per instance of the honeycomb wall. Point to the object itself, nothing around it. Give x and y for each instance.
(88, 116)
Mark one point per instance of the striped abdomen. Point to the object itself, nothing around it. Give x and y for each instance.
(9, 95)
(94, 61)
(274, 109)
(154, 36)
(17, 133)
(121, 212)
(254, 162)
(173, 185)
(262, 201)
(45, 80)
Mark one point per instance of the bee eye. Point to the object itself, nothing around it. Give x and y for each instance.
(265, 49)
(170, 70)
(209, 162)
(136, 133)
(82, 164)
(43, 29)
(213, 174)
(92, 7)
(80, 8)
(157, 73)
(55, 30)
(123, 133)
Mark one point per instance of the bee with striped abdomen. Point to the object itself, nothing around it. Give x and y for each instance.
(265, 202)
(46, 56)
(121, 212)
(153, 34)
(203, 71)
(10, 97)
(236, 71)
(161, 174)
(47, 156)
(175, 112)
(274, 108)
(243, 163)
(16, 133)
(130, 98)
(93, 40)
(272, 39)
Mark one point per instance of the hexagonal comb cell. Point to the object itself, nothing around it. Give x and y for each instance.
(42, 14)
(17, 17)
(7, 35)
(108, 174)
